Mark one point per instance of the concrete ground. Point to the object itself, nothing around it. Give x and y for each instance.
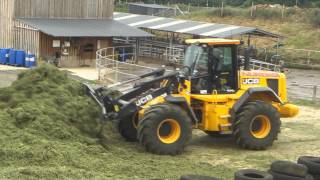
(300, 83)
(85, 73)
(8, 74)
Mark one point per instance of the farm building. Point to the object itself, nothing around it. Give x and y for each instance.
(152, 9)
(69, 30)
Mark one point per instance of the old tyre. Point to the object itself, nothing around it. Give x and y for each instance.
(128, 128)
(279, 176)
(313, 164)
(251, 174)
(165, 129)
(257, 125)
(197, 177)
(289, 168)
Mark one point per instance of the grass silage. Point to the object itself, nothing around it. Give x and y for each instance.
(49, 129)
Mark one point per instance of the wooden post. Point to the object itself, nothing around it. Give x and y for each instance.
(252, 6)
(222, 6)
(314, 97)
(282, 13)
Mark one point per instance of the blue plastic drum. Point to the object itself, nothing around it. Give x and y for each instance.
(27, 62)
(4, 56)
(20, 58)
(32, 60)
(12, 57)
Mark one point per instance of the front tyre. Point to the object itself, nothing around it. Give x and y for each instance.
(128, 128)
(165, 129)
(257, 125)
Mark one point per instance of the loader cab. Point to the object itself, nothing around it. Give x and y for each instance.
(212, 65)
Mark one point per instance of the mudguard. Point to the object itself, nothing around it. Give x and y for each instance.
(257, 90)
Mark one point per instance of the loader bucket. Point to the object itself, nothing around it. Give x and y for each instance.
(105, 98)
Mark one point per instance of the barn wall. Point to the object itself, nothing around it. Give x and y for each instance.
(76, 55)
(26, 38)
(6, 23)
(90, 9)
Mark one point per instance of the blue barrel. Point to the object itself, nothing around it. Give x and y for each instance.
(12, 57)
(20, 57)
(27, 61)
(32, 60)
(4, 56)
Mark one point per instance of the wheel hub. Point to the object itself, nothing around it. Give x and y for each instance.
(260, 127)
(169, 131)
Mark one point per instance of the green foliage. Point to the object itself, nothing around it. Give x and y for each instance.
(268, 13)
(313, 16)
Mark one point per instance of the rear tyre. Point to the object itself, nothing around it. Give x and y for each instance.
(289, 168)
(165, 129)
(279, 176)
(313, 164)
(257, 125)
(251, 174)
(128, 128)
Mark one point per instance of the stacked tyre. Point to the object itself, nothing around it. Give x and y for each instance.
(286, 170)
(313, 165)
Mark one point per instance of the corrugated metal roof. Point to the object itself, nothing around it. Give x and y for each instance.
(188, 27)
(155, 6)
(84, 28)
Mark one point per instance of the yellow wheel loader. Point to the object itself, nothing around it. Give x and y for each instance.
(210, 92)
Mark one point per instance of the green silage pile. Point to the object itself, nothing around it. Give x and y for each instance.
(42, 113)
(47, 103)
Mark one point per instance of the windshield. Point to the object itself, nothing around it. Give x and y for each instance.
(196, 59)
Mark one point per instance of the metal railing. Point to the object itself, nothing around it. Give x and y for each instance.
(301, 56)
(261, 65)
(161, 50)
(290, 57)
(113, 68)
(306, 92)
(174, 55)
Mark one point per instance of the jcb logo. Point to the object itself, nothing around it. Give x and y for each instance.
(144, 100)
(251, 81)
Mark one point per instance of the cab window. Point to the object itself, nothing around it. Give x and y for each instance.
(201, 66)
(223, 56)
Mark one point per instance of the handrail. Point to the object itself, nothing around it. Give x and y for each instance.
(106, 62)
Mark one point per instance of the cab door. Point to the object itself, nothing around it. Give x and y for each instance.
(216, 71)
(223, 69)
